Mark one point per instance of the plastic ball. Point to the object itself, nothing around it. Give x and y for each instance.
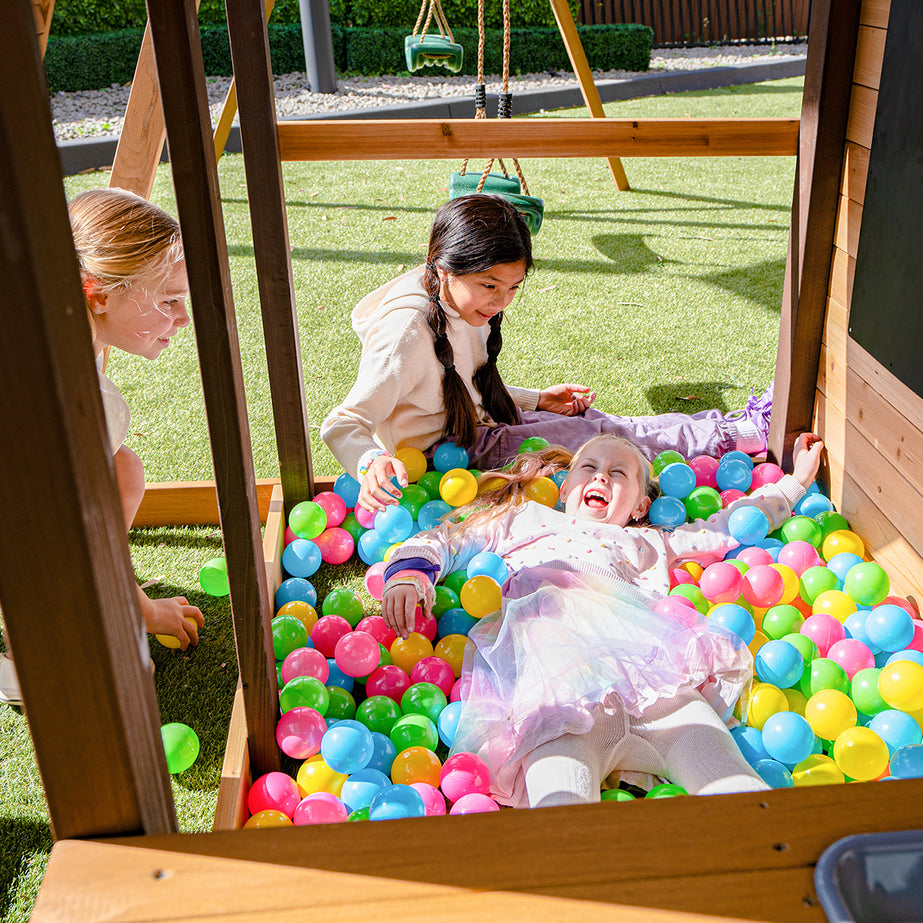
(394, 523)
(766, 473)
(464, 774)
(733, 618)
(488, 564)
(375, 580)
(721, 582)
(432, 798)
(543, 490)
(667, 457)
(451, 648)
(863, 690)
(171, 641)
(448, 456)
(315, 775)
(396, 802)
(852, 655)
(416, 764)
(383, 753)
(351, 525)
(213, 577)
(802, 529)
(347, 746)
(274, 791)
(788, 737)
(748, 524)
(731, 495)
(304, 691)
(304, 612)
(765, 700)
(799, 555)
(458, 487)
(907, 762)
(763, 586)
(365, 518)
(347, 488)
(336, 545)
(702, 502)
(817, 580)
(835, 603)
(823, 630)
(333, 505)
(781, 620)
(812, 505)
(774, 773)
(897, 729)
(733, 474)
(790, 581)
(295, 589)
(407, 652)
(475, 803)
(430, 483)
(299, 732)
(414, 731)
(424, 698)
(434, 671)
(327, 632)
(307, 519)
(357, 653)
(361, 787)
(371, 547)
(181, 745)
(413, 460)
(431, 514)
(677, 480)
(616, 794)
(780, 664)
(320, 808)
(288, 634)
(830, 712)
(867, 583)
(413, 499)
(823, 673)
(455, 622)
(389, 680)
(480, 596)
(861, 754)
(267, 820)
(693, 594)
(360, 814)
(889, 627)
(817, 769)
(447, 723)
(667, 512)
(706, 469)
(842, 541)
(901, 685)
(378, 713)
(445, 599)
(750, 742)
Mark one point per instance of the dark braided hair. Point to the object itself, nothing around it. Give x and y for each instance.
(471, 234)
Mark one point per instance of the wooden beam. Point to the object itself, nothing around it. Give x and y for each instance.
(824, 117)
(413, 139)
(271, 250)
(71, 613)
(175, 34)
(43, 10)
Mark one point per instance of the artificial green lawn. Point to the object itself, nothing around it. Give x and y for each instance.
(663, 298)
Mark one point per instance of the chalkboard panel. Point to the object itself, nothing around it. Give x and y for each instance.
(886, 316)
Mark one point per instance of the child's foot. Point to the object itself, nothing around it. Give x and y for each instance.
(9, 682)
(752, 423)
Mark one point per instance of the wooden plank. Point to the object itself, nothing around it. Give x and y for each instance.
(842, 274)
(94, 881)
(855, 171)
(870, 52)
(178, 53)
(584, 75)
(271, 249)
(848, 223)
(861, 123)
(231, 810)
(83, 665)
(875, 13)
(43, 10)
(393, 139)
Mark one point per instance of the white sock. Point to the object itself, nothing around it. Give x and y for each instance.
(699, 752)
(570, 769)
(747, 437)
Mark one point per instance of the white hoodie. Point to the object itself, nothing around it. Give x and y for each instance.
(397, 398)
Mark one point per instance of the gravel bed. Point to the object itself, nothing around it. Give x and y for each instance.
(99, 112)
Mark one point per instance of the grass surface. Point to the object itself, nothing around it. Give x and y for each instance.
(663, 298)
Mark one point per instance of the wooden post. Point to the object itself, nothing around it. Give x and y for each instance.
(266, 194)
(824, 113)
(581, 66)
(175, 33)
(68, 593)
(43, 10)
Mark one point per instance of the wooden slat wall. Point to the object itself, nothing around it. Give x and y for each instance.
(872, 423)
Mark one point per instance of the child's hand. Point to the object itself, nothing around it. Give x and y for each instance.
(567, 399)
(172, 616)
(806, 458)
(377, 490)
(398, 608)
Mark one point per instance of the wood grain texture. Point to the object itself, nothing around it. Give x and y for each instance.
(870, 51)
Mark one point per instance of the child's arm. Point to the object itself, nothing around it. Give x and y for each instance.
(173, 616)
(567, 399)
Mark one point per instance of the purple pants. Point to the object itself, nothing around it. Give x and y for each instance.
(705, 433)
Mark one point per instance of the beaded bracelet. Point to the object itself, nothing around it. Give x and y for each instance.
(371, 456)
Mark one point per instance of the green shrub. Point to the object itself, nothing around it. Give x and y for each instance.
(91, 62)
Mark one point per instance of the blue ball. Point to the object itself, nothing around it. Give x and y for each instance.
(812, 504)
(447, 722)
(774, 774)
(748, 524)
(488, 564)
(841, 563)
(383, 753)
(733, 618)
(779, 663)
(737, 455)
(890, 627)
(915, 656)
(347, 747)
(301, 558)
(896, 728)
(773, 546)
(395, 802)
(677, 480)
(346, 487)
(667, 512)
(371, 547)
(295, 588)
(734, 474)
(394, 523)
(455, 622)
(449, 456)
(361, 787)
(750, 742)
(336, 677)
(788, 737)
(854, 623)
(907, 763)
(559, 477)
(431, 513)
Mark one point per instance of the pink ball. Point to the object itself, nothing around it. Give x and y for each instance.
(357, 653)
(299, 732)
(705, 468)
(434, 670)
(763, 586)
(333, 505)
(388, 680)
(903, 603)
(320, 808)
(754, 555)
(432, 798)
(364, 517)
(721, 582)
(377, 627)
(799, 556)
(824, 630)
(336, 545)
(464, 774)
(730, 495)
(917, 643)
(765, 473)
(679, 608)
(305, 661)
(678, 576)
(289, 536)
(424, 624)
(375, 579)
(475, 803)
(274, 791)
(327, 630)
(852, 655)
(461, 688)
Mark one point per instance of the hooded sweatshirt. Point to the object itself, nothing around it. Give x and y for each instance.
(397, 398)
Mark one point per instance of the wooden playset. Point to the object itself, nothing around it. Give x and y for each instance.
(94, 717)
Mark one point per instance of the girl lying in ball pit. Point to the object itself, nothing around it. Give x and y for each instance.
(579, 675)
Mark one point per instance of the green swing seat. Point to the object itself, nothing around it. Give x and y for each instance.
(431, 50)
(531, 208)
(465, 183)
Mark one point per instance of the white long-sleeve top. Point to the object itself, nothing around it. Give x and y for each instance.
(533, 535)
(397, 397)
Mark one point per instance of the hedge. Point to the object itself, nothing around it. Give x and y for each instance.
(92, 62)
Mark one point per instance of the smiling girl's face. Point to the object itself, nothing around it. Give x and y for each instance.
(606, 483)
(478, 296)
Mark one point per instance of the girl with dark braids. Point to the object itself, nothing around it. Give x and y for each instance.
(428, 372)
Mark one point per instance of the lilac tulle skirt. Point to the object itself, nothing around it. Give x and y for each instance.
(566, 645)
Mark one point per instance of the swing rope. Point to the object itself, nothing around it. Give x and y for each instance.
(433, 11)
(420, 51)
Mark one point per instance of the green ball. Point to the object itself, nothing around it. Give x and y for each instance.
(351, 525)
(359, 814)
(430, 483)
(802, 529)
(455, 581)
(412, 499)
(803, 644)
(867, 583)
(345, 603)
(823, 673)
(378, 713)
(445, 599)
(342, 704)
(213, 577)
(693, 594)
(533, 444)
(666, 790)
(181, 745)
(831, 521)
(782, 620)
(863, 690)
(669, 457)
(423, 699)
(307, 519)
(702, 502)
(307, 691)
(816, 580)
(616, 794)
(288, 634)
(414, 731)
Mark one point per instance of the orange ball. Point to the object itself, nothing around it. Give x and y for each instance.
(544, 491)
(451, 649)
(416, 764)
(407, 652)
(480, 596)
(303, 611)
(414, 461)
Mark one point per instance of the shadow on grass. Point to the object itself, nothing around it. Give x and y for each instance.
(688, 396)
(628, 252)
(21, 839)
(390, 209)
(762, 283)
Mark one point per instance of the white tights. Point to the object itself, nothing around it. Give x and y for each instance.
(681, 738)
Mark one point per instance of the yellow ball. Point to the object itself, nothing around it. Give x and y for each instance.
(790, 579)
(171, 641)
(303, 611)
(458, 486)
(263, 820)
(817, 769)
(407, 652)
(834, 602)
(544, 491)
(390, 550)
(842, 540)
(830, 712)
(480, 596)
(491, 484)
(797, 701)
(416, 764)
(314, 775)
(765, 701)
(414, 461)
(861, 754)
(451, 649)
(901, 685)
(759, 639)
(693, 568)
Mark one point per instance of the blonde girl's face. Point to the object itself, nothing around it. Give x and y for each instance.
(143, 317)
(605, 484)
(478, 296)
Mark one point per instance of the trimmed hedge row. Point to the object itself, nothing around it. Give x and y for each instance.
(92, 62)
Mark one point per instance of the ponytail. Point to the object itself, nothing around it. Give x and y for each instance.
(497, 400)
